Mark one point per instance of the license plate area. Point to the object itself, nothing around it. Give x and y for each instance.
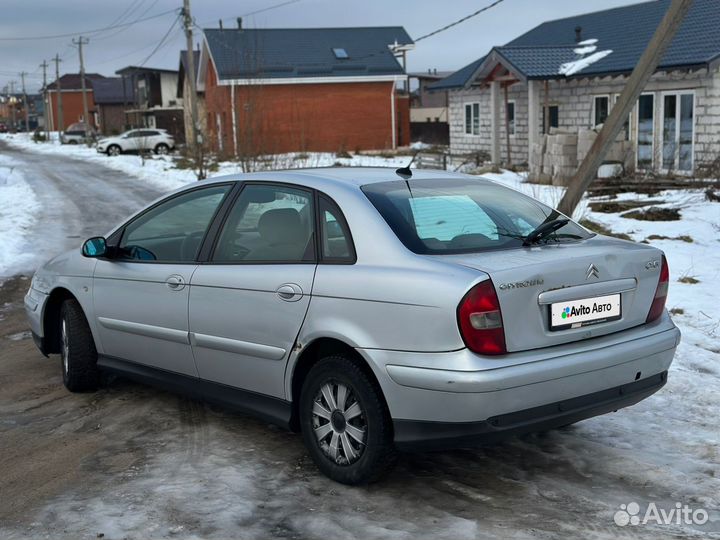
(585, 312)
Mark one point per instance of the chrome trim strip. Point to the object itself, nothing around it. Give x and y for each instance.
(237, 347)
(147, 330)
(579, 292)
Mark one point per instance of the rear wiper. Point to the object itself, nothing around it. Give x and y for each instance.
(544, 230)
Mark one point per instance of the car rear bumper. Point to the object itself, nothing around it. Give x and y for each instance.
(432, 394)
(419, 435)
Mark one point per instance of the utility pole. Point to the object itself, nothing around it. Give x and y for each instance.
(86, 115)
(12, 106)
(44, 67)
(25, 102)
(196, 134)
(633, 88)
(58, 87)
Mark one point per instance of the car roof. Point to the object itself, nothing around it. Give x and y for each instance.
(345, 176)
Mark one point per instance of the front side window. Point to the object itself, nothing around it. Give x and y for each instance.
(270, 224)
(174, 229)
(444, 216)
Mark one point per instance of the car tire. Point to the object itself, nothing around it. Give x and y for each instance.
(113, 150)
(78, 356)
(71, 141)
(364, 410)
(162, 149)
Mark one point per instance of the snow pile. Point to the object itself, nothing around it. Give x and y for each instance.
(19, 209)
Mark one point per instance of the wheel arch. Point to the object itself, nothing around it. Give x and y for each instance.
(51, 318)
(310, 355)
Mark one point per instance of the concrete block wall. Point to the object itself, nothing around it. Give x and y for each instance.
(575, 97)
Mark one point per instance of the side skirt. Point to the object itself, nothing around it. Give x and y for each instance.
(274, 410)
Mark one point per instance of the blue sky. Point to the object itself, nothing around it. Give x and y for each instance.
(111, 50)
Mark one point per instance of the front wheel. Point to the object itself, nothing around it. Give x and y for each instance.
(113, 150)
(345, 423)
(77, 349)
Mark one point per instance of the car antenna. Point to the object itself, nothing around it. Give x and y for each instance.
(404, 172)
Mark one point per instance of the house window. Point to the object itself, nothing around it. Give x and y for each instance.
(601, 108)
(554, 113)
(511, 117)
(472, 119)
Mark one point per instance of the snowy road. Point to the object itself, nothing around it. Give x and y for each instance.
(133, 462)
(74, 199)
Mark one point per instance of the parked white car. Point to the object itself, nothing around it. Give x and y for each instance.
(137, 140)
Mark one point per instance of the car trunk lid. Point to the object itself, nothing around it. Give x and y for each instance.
(529, 281)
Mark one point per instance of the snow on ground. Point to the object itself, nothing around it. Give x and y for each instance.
(18, 211)
(161, 171)
(662, 450)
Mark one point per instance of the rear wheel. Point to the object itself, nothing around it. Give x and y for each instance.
(113, 150)
(345, 423)
(77, 351)
(162, 149)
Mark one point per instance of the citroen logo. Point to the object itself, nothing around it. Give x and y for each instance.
(592, 271)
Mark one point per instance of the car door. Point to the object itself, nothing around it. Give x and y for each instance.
(248, 301)
(130, 141)
(141, 294)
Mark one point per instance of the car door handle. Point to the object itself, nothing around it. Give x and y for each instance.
(175, 282)
(290, 292)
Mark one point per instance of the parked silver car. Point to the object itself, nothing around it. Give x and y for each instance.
(370, 311)
(137, 140)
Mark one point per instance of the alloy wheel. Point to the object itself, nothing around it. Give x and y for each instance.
(65, 346)
(339, 423)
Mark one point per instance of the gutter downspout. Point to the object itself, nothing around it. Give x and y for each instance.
(392, 116)
(234, 119)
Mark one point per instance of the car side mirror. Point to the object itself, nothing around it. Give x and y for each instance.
(95, 247)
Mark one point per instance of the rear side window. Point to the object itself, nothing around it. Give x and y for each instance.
(444, 216)
(268, 224)
(336, 244)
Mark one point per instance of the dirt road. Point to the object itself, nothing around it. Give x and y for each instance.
(133, 462)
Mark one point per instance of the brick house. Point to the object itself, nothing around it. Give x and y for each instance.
(113, 96)
(567, 74)
(306, 89)
(156, 103)
(183, 92)
(72, 102)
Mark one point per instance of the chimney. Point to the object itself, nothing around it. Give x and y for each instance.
(578, 34)
(239, 22)
(220, 23)
(435, 71)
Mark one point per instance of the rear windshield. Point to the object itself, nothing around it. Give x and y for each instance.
(444, 216)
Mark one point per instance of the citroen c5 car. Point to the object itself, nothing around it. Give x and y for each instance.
(370, 310)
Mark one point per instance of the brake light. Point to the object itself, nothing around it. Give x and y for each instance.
(658, 304)
(480, 320)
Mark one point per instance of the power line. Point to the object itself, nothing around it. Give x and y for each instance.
(459, 21)
(58, 36)
(121, 30)
(251, 13)
(160, 44)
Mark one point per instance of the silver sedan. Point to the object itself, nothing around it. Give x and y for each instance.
(370, 310)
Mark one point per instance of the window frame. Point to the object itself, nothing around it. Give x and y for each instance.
(512, 125)
(593, 116)
(208, 251)
(116, 236)
(549, 107)
(352, 259)
(472, 105)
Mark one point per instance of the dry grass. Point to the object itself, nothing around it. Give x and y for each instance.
(599, 228)
(689, 280)
(654, 213)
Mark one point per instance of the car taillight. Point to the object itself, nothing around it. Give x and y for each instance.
(480, 320)
(658, 304)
